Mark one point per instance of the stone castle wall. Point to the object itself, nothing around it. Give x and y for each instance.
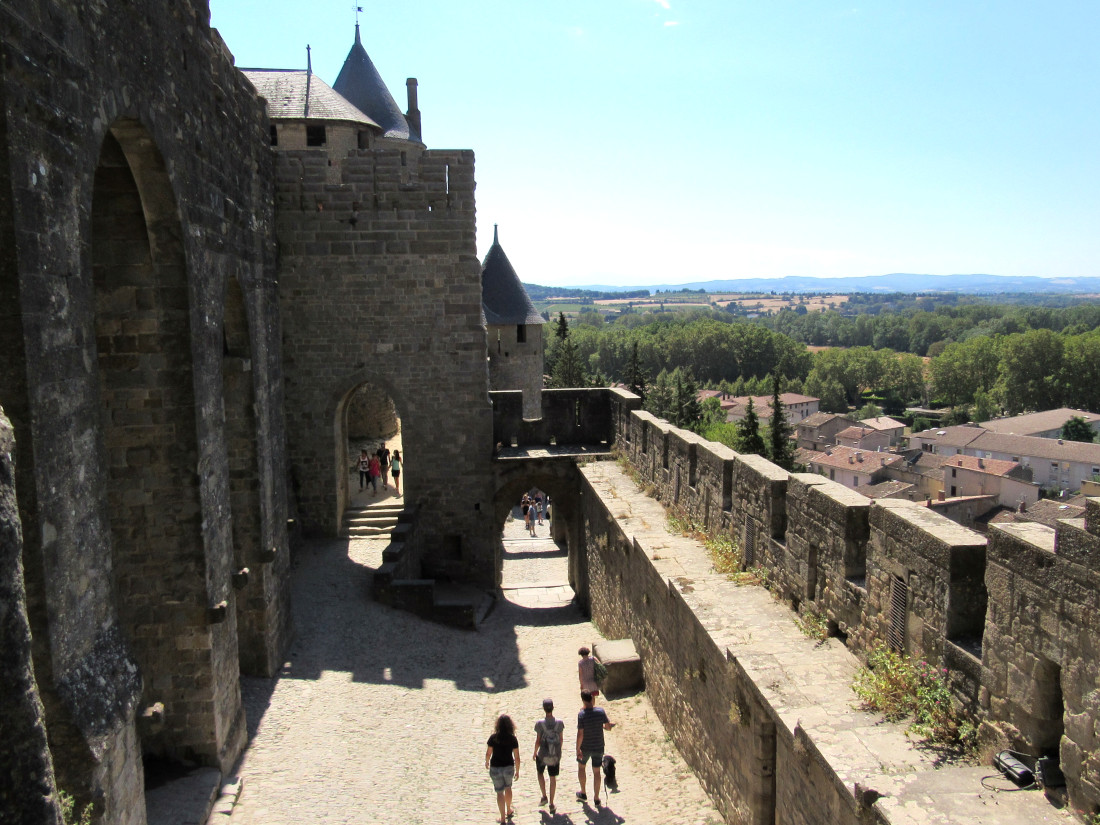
(380, 284)
(1012, 634)
(141, 419)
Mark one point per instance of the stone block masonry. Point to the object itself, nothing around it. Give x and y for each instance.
(380, 285)
(1012, 632)
(764, 715)
(137, 281)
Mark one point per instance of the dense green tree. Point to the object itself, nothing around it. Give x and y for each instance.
(712, 413)
(749, 439)
(829, 391)
(1078, 429)
(964, 368)
(780, 446)
(985, 406)
(1031, 366)
(568, 368)
(661, 398)
(635, 375)
(1081, 371)
(868, 410)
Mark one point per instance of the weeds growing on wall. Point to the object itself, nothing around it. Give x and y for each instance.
(899, 688)
(814, 625)
(628, 467)
(68, 810)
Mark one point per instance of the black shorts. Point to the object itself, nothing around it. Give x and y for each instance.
(550, 769)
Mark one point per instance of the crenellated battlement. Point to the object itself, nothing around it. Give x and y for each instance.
(375, 180)
(1004, 616)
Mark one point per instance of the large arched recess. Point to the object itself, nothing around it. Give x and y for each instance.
(560, 479)
(339, 478)
(149, 441)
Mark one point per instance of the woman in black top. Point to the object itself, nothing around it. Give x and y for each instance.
(502, 761)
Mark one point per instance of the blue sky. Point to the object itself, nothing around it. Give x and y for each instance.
(665, 141)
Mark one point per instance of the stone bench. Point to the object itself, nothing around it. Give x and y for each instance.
(624, 665)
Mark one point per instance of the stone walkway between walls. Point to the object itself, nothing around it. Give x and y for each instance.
(380, 717)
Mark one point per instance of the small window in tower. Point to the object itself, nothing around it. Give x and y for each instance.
(521, 334)
(274, 135)
(315, 135)
(404, 159)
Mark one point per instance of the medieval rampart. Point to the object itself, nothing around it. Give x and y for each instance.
(1013, 634)
(380, 284)
(139, 364)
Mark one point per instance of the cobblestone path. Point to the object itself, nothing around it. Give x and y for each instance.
(380, 717)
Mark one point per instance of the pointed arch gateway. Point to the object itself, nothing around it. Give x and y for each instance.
(367, 415)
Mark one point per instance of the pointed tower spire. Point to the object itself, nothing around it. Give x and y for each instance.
(360, 84)
(495, 241)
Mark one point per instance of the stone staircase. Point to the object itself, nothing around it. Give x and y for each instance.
(371, 520)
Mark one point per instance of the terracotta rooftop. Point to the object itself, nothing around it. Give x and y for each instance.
(957, 436)
(1037, 422)
(883, 422)
(990, 466)
(885, 489)
(856, 459)
(855, 432)
(819, 418)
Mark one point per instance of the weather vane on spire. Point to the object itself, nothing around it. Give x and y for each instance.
(358, 11)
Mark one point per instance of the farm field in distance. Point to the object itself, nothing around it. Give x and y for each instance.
(747, 303)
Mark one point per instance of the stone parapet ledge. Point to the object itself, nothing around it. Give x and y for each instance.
(726, 664)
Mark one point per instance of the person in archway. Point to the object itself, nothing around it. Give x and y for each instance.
(502, 762)
(591, 723)
(384, 464)
(375, 472)
(364, 469)
(395, 469)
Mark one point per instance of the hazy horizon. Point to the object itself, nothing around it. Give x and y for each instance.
(657, 141)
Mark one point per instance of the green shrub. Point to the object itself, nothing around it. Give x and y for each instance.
(896, 687)
(68, 810)
(814, 625)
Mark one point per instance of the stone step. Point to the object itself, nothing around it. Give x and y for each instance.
(377, 520)
(387, 509)
(381, 530)
(367, 519)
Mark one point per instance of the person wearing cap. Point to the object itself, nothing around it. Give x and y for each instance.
(591, 723)
(547, 756)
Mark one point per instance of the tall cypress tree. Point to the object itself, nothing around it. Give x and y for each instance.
(689, 414)
(568, 369)
(748, 433)
(662, 399)
(779, 432)
(561, 327)
(635, 375)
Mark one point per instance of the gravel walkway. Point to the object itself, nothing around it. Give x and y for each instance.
(380, 717)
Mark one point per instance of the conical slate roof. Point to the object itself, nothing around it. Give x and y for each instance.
(293, 94)
(360, 83)
(503, 298)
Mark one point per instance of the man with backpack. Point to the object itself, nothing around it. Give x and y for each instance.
(547, 756)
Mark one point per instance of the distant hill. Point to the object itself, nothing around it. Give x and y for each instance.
(896, 282)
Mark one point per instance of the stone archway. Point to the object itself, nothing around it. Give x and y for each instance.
(367, 416)
(560, 479)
